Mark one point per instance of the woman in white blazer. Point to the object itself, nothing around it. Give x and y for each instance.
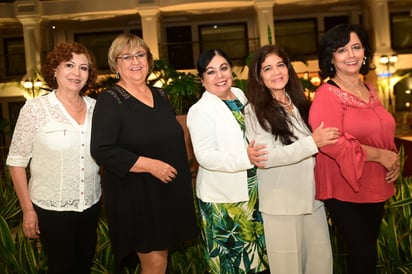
(226, 185)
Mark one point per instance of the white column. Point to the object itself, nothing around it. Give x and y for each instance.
(378, 12)
(379, 20)
(32, 43)
(264, 11)
(28, 13)
(151, 29)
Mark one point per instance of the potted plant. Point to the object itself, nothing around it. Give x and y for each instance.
(182, 88)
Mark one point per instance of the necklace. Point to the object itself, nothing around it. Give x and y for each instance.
(357, 88)
(287, 105)
(288, 102)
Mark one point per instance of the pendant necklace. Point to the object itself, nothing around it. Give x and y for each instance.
(348, 84)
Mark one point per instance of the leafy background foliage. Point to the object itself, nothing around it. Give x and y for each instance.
(21, 255)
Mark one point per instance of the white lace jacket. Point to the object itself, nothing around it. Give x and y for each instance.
(63, 174)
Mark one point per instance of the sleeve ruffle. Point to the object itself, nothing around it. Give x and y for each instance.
(350, 157)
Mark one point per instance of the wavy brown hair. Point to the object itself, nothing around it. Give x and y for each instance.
(271, 116)
(63, 52)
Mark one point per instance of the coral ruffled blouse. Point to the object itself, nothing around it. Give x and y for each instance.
(341, 170)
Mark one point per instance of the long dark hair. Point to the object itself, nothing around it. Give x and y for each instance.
(337, 37)
(271, 116)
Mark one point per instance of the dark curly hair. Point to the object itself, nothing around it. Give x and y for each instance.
(337, 37)
(271, 116)
(63, 52)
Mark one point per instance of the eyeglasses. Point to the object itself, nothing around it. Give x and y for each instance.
(129, 58)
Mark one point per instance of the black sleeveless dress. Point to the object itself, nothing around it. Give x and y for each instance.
(144, 214)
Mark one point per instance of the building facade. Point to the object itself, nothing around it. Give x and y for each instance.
(178, 30)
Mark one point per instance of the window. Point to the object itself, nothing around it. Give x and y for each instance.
(179, 47)
(98, 43)
(403, 93)
(332, 21)
(401, 35)
(137, 32)
(15, 60)
(298, 37)
(231, 38)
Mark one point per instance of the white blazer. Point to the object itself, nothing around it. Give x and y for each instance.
(220, 148)
(287, 184)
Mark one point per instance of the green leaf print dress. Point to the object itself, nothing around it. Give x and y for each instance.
(233, 232)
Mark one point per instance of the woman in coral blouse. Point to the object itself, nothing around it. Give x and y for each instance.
(355, 176)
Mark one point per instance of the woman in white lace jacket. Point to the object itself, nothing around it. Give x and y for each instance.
(60, 203)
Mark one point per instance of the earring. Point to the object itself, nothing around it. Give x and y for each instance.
(331, 67)
(364, 60)
(117, 76)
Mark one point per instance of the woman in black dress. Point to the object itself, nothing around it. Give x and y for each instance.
(140, 145)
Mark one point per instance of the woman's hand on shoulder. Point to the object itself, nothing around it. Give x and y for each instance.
(325, 136)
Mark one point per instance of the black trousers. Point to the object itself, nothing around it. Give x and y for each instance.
(69, 239)
(358, 225)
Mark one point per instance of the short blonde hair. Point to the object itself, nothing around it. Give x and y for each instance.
(130, 42)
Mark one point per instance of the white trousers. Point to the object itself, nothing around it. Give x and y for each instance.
(298, 244)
